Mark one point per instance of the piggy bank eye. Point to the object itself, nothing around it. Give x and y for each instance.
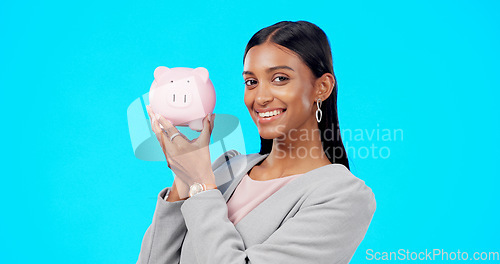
(171, 81)
(188, 80)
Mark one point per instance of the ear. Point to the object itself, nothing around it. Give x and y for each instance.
(159, 71)
(324, 86)
(202, 73)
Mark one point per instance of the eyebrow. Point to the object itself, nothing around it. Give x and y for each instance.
(271, 69)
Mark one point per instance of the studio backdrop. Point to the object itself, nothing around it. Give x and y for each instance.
(417, 101)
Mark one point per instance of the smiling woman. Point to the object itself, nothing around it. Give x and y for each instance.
(294, 202)
(303, 51)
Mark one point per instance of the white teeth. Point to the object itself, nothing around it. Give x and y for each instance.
(270, 113)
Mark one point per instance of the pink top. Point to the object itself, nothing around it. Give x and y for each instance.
(249, 193)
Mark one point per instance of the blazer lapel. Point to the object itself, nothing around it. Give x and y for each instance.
(229, 176)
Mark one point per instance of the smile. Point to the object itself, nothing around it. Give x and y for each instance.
(270, 113)
(269, 116)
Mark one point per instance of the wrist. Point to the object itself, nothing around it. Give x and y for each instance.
(172, 195)
(197, 187)
(211, 186)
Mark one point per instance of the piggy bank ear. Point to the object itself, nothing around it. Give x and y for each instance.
(202, 73)
(159, 71)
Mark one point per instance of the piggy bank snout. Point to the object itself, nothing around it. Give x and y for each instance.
(178, 97)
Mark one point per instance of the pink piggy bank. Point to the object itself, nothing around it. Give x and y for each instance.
(184, 96)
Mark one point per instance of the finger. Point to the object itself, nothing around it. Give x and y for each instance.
(159, 133)
(150, 114)
(206, 131)
(170, 129)
(212, 123)
(155, 126)
(162, 138)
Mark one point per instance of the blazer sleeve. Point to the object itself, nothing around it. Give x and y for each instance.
(328, 228)
(163, 239)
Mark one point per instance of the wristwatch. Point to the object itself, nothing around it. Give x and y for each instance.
(196, 188)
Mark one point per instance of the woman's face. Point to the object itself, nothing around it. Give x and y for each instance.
(277, 79)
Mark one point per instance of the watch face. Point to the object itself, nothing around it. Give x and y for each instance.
(195, 188)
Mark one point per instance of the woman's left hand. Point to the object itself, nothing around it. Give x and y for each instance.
(188, 159)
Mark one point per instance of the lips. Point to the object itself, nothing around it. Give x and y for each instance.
(263, 110)
(268, 115)
(271, 113)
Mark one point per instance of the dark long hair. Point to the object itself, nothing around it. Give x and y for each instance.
(311, 44)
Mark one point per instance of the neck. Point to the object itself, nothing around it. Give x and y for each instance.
(298, 152)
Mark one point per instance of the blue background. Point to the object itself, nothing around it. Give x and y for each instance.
(73, 192)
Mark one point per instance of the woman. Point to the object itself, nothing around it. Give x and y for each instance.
(294, 202)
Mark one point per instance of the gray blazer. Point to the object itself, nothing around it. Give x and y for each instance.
(319, 217)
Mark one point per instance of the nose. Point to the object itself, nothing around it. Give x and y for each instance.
(263, 95)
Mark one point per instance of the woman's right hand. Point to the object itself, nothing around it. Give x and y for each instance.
(178, 186)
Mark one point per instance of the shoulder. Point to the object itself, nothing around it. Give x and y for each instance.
(336, 185)
(343, 180)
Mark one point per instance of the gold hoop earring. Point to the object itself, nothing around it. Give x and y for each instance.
(319, 112)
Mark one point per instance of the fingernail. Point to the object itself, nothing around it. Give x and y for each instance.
(157, 117)
(209, 117)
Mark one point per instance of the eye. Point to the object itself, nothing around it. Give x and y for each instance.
(280, 78)
(250, 82)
